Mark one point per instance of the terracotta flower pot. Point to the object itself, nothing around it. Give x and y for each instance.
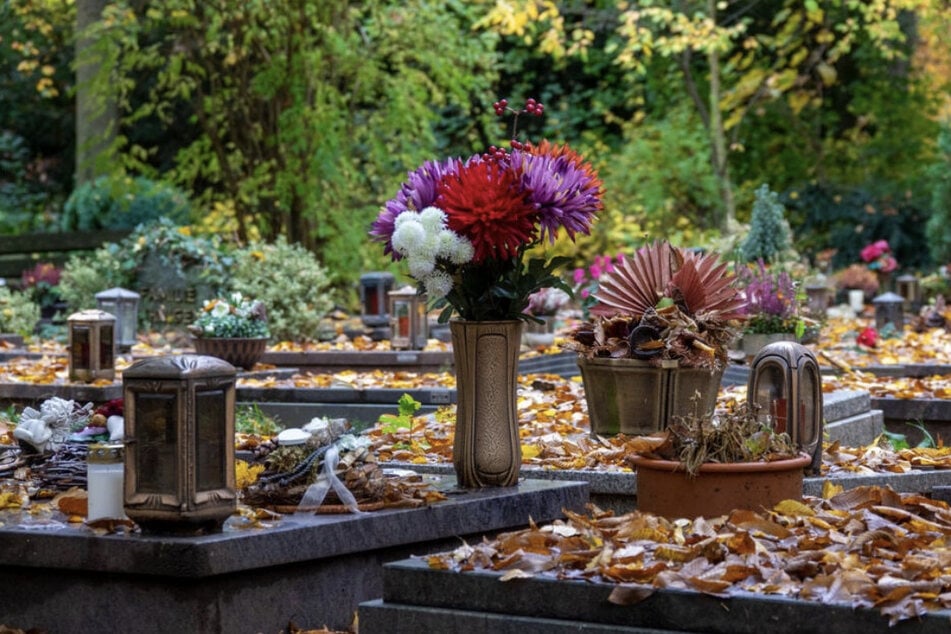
(665, 488)
(239, 352)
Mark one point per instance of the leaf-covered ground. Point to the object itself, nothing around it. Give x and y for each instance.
(868, 547)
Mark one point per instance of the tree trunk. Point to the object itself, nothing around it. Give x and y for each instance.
(718, 154)
(96, 111)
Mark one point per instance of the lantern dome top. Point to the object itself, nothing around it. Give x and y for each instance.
(91, 314)
(117, 292)
(179, 366)
(792, 353)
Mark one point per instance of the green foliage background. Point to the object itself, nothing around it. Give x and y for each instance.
(301, 117)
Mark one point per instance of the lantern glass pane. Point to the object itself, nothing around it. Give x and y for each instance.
(401, 314)
(107, 346)
(210, 429)
(125, 322)
(809, 423)
(79, 347)
(371, 298)
(771, 394)
(156, 443)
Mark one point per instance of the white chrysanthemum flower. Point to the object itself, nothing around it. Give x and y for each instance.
(428, 248)
(433, 218)
(405, 216)
(438, 284)
(462, 251)
(408, 237)
(419, 267)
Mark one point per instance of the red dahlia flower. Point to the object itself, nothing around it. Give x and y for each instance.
(485, 204)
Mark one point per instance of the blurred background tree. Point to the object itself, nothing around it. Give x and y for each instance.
(300, 118)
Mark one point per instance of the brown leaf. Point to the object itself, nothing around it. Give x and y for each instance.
(630, 595)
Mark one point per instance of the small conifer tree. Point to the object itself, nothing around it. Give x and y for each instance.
(769, 235)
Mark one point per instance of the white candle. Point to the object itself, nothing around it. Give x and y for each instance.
(105, 475)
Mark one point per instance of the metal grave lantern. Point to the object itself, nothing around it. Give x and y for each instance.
(124, 305)
(817, 296)
(889, 309)
(909, 287)
(373, 291)
(179, 436)
(409, 329)
(92, 346)
(786, 385)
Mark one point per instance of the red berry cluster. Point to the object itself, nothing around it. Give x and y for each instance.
(495, 153)
(532, 107)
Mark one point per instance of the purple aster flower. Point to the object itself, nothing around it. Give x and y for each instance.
(564, 190)
(416, 193)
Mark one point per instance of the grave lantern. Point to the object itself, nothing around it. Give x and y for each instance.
(92, 346)
(179, 438)
(785, 384)
(817, 297)
(373, 291)
(124, 305)
(910, 290)
(409, 329)
(889, 309)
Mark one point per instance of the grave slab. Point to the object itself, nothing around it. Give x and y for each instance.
(617, 490)
(311, 570)
(419, 599)
(368, 360)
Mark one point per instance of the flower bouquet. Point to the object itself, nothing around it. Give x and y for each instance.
(468, 229)
(878, 257)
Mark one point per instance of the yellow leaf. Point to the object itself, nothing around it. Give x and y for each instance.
(794, 508)
(830, 490)
(530, 451)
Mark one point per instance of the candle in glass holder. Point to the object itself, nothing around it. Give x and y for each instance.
(104, 480)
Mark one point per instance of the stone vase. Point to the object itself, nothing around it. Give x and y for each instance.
(633, 397)
(665, 488)
(486, 448)
(238, 351)
(752, 342)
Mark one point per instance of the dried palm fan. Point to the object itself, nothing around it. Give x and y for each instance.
(699, 284)
(673, 303)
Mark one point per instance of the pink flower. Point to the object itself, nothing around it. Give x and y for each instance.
(875, 250)
(579, 276)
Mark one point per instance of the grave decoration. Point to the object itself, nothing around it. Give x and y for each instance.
(92, 346)
(179, 456)
(123, 304)
(323, 468)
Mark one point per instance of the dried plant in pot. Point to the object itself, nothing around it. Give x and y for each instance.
(708, 465)
(659, 335)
